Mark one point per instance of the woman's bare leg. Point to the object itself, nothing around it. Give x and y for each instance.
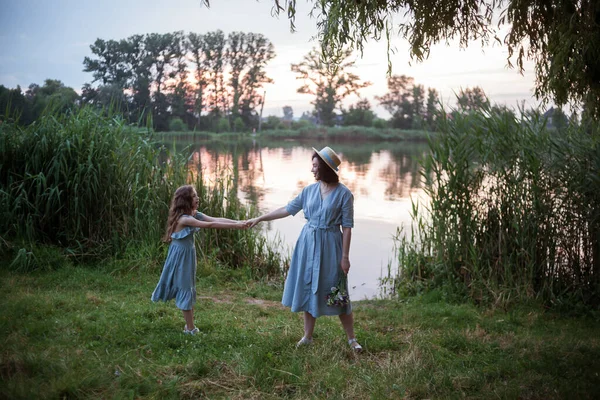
(348, 324)
(309, 325)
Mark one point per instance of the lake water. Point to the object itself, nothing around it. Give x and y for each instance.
(382, 176)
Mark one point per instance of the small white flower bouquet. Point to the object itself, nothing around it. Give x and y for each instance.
(338, 297)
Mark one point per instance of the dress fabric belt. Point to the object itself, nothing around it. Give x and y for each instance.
(315, 250)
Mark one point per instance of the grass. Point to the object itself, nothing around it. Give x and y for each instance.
(92, 332)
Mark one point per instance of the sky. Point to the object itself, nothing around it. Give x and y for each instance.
(42, 39)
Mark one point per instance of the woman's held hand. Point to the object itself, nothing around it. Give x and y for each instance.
(345, 264)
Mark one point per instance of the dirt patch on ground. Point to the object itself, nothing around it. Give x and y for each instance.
(264, 303)
(229, 299)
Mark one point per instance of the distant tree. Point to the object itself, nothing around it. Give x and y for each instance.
(105, 96)
(559, 119)
(162, 48)
(271, 122)
(398, 101)
(140, 63)
(53, 95)
(14, 105)
(307, 117)
(432, 105)
(179, 97)
(472, 99)
(110, 65)
(503, 110)
(214, 50)
(288, 113)
(418, 109)
(359, 114)
(196, 46)
(329, 83)
(237, 58)
(260, 51)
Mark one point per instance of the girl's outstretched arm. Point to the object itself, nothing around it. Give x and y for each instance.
(208, 218)
(275, 214)
(229, 224)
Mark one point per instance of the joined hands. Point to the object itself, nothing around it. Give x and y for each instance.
(251, 223)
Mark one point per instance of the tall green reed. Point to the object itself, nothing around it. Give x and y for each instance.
(514, 212)
(88, 183)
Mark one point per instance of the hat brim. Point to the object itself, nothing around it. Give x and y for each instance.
(325, 161)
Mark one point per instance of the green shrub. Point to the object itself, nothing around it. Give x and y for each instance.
(177, 125)
(223, 125)
(301, 124)
(380, 123)
(238, 125)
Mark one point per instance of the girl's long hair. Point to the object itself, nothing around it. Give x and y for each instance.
(182, 203)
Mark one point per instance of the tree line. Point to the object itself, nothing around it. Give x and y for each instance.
(207, 81)
(213, 82)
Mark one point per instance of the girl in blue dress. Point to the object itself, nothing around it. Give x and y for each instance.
(321, 254)
(178, 278)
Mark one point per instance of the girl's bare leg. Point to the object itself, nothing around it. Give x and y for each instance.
(188, 315)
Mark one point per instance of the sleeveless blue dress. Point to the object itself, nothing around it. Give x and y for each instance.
(315, 265)
(178, 278)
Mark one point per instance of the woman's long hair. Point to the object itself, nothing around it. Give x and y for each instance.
(182, 203)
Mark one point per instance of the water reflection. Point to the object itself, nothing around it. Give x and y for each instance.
(383, 177)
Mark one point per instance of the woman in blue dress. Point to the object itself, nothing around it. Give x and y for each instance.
(178, 278)
(321, 254)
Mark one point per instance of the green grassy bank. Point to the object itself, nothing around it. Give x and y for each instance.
(343, 133)
(92, 332)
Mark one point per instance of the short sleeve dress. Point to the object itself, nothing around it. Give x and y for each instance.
(178, 278)
(315, 265)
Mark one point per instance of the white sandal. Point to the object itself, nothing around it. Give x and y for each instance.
(190, 332)
(304, 342)
(355, 345)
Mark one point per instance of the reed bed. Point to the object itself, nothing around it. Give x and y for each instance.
(514, 213)
(86, 185)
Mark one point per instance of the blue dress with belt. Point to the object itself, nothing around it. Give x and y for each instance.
(315, 266)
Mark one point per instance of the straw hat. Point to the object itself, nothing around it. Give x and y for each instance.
(330, 157)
